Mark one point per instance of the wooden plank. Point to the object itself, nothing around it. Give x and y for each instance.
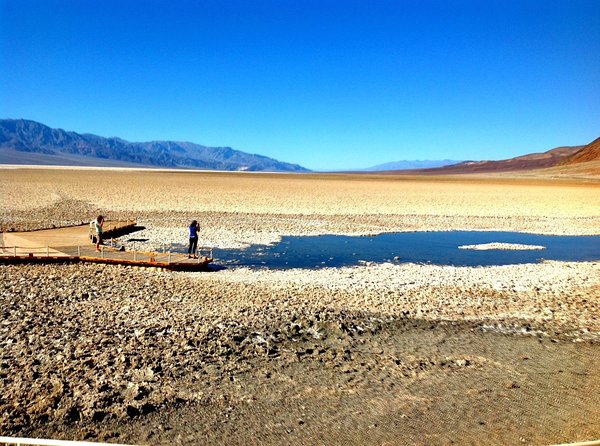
(113, 257)
(74, 244)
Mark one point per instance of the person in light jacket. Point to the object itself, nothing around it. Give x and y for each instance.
(98, 227)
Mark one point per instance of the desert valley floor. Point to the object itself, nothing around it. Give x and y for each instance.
(373, 354)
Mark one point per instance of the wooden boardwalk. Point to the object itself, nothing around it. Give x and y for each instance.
(73, 244)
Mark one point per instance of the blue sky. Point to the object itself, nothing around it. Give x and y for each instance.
(325, 84)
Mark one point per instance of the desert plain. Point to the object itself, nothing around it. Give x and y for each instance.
(369, 355)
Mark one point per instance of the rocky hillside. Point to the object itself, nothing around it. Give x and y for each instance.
(29, 142)
(591, 152)
(531, 161)
(525, 162)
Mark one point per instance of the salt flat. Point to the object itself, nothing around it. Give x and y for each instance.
(364, 355)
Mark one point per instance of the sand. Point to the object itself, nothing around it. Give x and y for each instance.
(373, 354)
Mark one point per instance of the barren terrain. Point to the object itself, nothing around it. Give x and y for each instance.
(376, 354)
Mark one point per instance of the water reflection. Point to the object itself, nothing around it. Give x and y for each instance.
(440, 248)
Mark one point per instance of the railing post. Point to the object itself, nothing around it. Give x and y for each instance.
(169, 261)
(47, 251)
(102, 251)
(15, 251)
(78, 251)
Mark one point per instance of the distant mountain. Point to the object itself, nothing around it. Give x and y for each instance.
(408, 165)
(591, 152)
(550, 158)
(29, 142)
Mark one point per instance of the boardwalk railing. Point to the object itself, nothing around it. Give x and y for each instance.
(106, 254)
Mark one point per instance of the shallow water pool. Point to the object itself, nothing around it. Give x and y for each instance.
(440, 248)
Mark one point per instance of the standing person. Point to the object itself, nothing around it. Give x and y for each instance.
(98, 226)
(194, 227)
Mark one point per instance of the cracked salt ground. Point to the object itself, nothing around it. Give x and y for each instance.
(146, 347)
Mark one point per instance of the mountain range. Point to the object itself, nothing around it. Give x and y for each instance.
(410, 165)
(29, 142)
(558, 158)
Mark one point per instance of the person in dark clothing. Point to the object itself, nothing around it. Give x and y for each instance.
(194, 228)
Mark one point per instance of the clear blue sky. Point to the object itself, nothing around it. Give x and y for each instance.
(325, 84)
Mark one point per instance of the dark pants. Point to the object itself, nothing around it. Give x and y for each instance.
(193, 245)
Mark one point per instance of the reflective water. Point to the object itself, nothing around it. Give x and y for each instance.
(419, 247)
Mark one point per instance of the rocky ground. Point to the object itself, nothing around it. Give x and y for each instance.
(373, 354)
(355, 355)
